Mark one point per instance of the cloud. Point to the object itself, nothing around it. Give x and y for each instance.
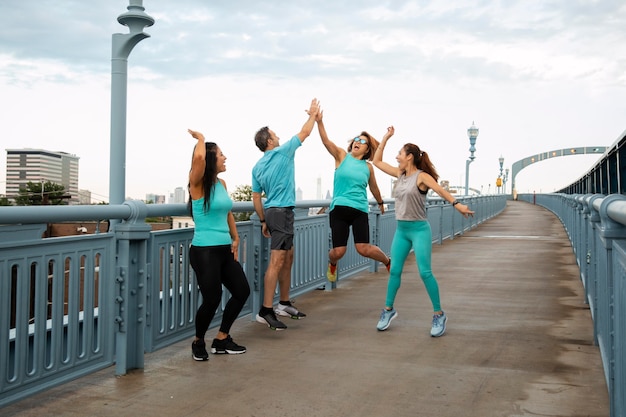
(531, 74)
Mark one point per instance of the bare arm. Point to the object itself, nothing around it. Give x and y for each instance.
(232, 228)
(378, 156)
(198, 165)
(429, 181)
(308, 125)
(258, 208)
(374, 189)
(336, 152)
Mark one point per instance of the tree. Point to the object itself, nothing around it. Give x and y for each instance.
(41, 193)
(242, 193)
(5, 202)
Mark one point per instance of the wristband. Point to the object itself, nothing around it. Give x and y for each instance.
(262, 221)
(454, 203)
(380, 203)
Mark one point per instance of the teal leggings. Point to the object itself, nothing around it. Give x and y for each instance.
(416, 235)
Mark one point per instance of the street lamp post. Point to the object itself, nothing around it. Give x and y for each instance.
(136, 20)
(472, 132)
(501, 161)
(506, 177)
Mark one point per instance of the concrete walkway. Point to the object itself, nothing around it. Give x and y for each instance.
(519, 342)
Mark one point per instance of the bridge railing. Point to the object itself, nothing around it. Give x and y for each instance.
(73, 305)
(596, 226)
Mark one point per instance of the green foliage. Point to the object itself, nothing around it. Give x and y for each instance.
(38, 193)
(5, 202)
(242, 193)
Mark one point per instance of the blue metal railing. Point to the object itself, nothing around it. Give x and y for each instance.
(72, 305)
(596, 226)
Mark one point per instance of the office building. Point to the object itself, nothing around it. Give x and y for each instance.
(178, 196)
(38, 165)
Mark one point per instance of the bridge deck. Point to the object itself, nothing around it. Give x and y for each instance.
(519, 343)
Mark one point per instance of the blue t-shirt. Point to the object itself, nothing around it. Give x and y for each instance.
(350, 184)
(275, 175)
(212, 226)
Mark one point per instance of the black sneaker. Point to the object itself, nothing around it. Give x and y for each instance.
(227, 345)
(198, 351)
(271, 321)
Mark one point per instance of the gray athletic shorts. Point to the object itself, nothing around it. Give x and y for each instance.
(279, 221)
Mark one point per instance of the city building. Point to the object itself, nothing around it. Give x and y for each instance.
(38, 165)
(180, 222)
(155, 199)
(84, 197)
(178, 196)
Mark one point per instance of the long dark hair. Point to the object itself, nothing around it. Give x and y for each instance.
(210, 177)
(421, 160)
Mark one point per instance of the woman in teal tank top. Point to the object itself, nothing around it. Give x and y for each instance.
(349, 206)
(214, 249)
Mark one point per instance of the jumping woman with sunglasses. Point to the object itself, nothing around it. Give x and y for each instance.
(350, 206)
(415, 176)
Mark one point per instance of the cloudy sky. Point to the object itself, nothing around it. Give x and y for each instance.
(533, 75)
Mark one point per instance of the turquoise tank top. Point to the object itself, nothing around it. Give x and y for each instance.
(212, 226)
(350, 184)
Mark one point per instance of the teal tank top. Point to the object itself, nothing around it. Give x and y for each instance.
(212, 226)
(350, 184)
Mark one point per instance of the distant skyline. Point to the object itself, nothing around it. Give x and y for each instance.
(534, 76)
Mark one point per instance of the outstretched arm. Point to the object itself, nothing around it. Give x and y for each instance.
(429, 181)
(330, 146)
(378, 156)
(308, 125)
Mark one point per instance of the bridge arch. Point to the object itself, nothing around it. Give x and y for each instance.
(529, 160)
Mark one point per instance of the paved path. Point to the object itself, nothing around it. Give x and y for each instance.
(519, 343)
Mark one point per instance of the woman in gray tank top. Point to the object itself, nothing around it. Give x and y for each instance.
(415, 175)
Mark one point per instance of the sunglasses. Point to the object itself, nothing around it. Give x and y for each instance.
(363, 141)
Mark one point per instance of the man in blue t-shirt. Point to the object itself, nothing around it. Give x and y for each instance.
(274, 175)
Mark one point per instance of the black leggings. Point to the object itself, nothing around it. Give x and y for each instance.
(216, 266)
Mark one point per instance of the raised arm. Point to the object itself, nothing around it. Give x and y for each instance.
(308, 125)
(198, 165)
(378, 156)
(338, 153)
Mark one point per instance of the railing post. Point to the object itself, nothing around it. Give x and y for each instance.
(131, 269)
(261, 261)
(609, 232)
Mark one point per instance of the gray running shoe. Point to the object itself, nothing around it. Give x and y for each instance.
(385, 318)
(289, 311)
(439, 325)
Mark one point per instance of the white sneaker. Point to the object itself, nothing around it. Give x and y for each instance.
(289, 311)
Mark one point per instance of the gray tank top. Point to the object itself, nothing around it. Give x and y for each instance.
(410, 200)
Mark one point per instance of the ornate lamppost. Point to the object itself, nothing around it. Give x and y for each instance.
(500, 178)
(472, 132)
(506, 178)
(136, 20)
